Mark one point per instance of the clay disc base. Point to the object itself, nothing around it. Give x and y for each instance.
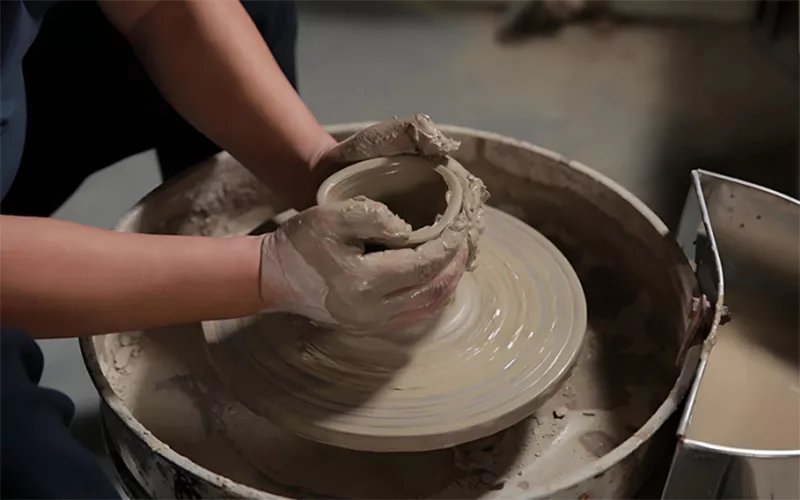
(497, 353)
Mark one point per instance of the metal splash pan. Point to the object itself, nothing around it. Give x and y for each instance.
(739, 435)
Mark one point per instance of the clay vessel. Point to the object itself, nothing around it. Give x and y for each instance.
(424, 193)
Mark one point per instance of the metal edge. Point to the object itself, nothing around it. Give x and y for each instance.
(785, 197)
(651, 426)
(708, 344)
(718, 306)
(740, 452)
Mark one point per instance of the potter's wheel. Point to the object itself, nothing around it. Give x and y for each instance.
(499, 351)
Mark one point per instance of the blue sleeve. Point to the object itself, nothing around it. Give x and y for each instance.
(38, 456)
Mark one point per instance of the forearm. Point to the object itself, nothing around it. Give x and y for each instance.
(212, 64)
(59, 279)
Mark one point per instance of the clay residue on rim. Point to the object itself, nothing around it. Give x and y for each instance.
(225, 200)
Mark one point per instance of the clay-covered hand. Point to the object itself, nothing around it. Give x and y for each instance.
(315, 265)
(412, 135)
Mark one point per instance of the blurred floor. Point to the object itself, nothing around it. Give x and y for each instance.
(642, 104)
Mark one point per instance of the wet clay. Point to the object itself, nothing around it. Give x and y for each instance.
(436, 196)
(509, 338)
(413, 135)
(418, 215)
(426, 194)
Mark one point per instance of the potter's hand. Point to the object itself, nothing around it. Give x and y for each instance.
(413, 135)
(315, 265)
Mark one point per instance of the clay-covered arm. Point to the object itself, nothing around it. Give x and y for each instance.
(211, 63)
(59, 279)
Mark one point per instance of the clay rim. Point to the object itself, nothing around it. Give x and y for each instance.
(360, 174)
(599, 467)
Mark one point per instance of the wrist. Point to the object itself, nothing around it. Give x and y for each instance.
(295, 176)
(319, 148)
(243, 269)
(272, 285)
(287, 282)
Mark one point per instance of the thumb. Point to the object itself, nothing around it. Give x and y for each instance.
(409, 268)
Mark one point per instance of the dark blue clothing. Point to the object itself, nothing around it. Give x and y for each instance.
(40, 459)
(91, 104)
(88, 103)
(20, 24)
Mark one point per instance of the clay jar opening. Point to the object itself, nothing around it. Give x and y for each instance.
(424, 193)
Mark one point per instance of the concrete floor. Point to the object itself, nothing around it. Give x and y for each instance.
(642, 104)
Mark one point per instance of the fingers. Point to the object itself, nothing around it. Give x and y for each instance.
(408, 268)
(364, 220)
(411, 306)
(331, 237)
(429, 140)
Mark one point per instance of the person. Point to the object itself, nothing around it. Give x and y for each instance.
(87, 84)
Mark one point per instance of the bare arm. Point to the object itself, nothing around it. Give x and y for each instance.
(210, 62)
(59, 279)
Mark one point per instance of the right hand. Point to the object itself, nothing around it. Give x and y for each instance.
(315, 265)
